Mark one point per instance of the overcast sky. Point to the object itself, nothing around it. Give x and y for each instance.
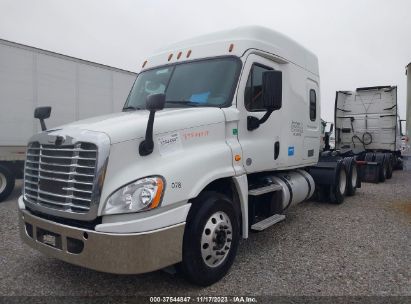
(358, 42)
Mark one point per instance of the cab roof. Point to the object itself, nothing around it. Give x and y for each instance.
(236, 42)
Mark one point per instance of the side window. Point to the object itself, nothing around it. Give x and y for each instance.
(253, 90)
(313, 105)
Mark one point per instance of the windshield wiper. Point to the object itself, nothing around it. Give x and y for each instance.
(184, 102)
(130, 108)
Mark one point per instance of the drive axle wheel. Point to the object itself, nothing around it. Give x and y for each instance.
(352, 175)
(6, 182)
(383, 161)
(339, 189)
(390, 159)
(210, 239)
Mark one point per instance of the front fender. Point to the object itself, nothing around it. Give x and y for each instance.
(200, 156)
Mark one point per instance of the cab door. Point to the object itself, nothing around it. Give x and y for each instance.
(262, 146)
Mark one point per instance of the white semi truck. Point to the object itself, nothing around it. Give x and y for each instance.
(367, 123)
(30, 77)
(219, 136)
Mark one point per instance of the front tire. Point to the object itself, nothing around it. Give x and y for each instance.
(7, 181)
(211, 239)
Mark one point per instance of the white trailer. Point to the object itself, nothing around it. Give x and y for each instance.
(220, 135)
(31, 77)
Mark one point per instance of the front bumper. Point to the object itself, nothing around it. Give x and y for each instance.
(107, 252)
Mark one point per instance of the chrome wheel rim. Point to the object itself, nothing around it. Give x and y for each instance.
(3, 182)
(343, 181)
(216, 239)
(354, 176)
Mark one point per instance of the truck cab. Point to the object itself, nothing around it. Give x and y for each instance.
(367, 122)
(216, 138)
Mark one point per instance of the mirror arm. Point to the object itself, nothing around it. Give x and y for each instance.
(266, 116)
(147, 145)
(43, 124)
(253, 122)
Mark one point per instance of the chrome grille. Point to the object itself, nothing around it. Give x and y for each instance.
(61, 177)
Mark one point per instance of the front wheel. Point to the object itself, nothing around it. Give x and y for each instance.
(6, 182)
(210, 239)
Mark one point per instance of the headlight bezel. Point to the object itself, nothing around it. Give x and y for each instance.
(120, 193)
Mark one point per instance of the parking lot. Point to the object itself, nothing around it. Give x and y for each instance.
(361, 247)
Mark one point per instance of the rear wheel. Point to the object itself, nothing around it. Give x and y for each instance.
(352, 175)
(399, 165)
(339, 189)
(390, 159)
(210, 239)
(383, 161)
(6, 182)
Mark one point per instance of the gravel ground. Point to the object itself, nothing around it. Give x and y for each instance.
(361, 247)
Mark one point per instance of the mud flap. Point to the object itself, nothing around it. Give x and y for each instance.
(370, 172)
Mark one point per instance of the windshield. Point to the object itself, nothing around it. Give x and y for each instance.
(208, 82)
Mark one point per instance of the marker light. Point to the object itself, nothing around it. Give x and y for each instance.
(144, 64)
(179, 55)
(170, 56)
(188, 53)
(231, 47)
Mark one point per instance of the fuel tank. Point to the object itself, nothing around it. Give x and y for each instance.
(297, 186)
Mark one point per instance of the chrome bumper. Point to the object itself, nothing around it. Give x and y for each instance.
(107, 252)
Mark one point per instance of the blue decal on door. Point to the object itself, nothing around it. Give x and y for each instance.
(290, 151)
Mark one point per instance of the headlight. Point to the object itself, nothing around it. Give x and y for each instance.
(143, 194)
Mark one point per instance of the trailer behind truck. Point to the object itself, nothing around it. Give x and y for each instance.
(31, 77)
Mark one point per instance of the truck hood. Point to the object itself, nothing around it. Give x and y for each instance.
(131, 125)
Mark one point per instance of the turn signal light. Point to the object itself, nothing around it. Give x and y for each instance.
(157, 198)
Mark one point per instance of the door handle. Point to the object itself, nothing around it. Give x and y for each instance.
(276, 149)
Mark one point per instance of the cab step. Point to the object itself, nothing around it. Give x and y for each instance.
(264, 190)
(269, 221)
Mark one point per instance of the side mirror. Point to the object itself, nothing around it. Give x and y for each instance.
(155, 102)
(42, 113)
(272, 90)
